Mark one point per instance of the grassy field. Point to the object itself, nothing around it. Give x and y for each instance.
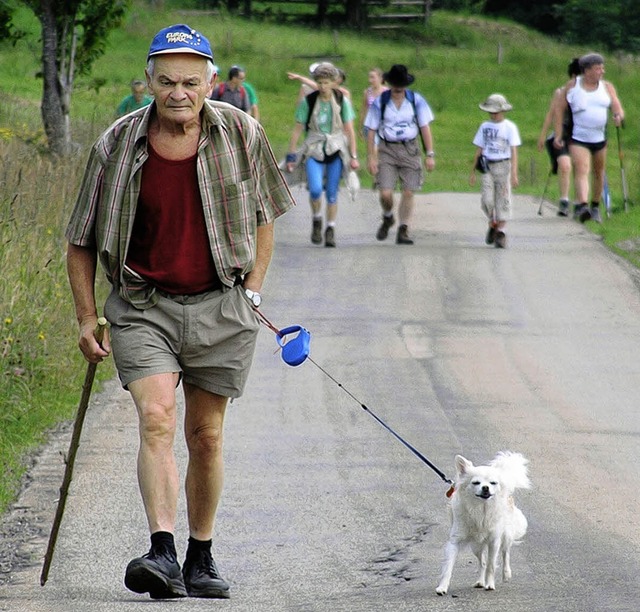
(457, 62)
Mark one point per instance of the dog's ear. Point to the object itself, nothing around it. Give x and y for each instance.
(462, 465)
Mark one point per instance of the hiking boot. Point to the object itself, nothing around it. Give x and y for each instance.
(501, 240)
(581, 213)
(329, 237)
(383, 230)
(202, 578)
(563, 208)
(316, 233)
(403, 235)
(491, 235)
(594, 211)
(157, 573)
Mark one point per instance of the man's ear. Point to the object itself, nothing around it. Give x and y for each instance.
(149, 80)
(212, 84)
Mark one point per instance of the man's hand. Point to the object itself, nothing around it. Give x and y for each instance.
(93, 351)
(429, 163)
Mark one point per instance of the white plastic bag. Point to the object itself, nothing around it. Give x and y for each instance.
(353, 184)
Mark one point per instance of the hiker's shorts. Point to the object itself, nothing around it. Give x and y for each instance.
(400, 161)
(208, 339)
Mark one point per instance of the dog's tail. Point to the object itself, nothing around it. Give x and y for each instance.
(514, 469)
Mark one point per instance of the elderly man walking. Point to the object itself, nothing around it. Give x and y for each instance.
(398, 116)
(178, 203)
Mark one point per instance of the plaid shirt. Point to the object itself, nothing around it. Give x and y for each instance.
(240, 185)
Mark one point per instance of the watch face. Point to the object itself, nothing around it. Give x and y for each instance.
(256, 298)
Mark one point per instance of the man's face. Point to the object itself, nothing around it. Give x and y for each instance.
(138, 92)
(179, 86)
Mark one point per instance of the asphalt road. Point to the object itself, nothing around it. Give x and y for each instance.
(460, 347)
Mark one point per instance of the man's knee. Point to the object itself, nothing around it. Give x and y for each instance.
(204, 441)
(157, 422)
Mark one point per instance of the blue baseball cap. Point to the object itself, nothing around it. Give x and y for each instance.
(180, 38)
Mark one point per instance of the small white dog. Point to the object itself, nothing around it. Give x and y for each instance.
(485, 517)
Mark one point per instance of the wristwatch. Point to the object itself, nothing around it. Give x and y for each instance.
(254, 297)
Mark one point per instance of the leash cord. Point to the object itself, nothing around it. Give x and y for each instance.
(398, 437)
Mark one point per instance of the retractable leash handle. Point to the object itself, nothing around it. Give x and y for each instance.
(295, 350)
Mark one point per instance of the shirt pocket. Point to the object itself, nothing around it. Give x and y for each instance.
(234, 199)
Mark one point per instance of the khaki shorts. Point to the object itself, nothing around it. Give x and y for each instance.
(399, 161)
(209, 339)
(496, 191)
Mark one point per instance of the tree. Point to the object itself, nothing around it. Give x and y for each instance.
(74, 34)
(611, 26)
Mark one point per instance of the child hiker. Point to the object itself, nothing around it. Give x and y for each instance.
(497, 158)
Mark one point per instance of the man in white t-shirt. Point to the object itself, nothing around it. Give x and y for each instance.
(398, 116)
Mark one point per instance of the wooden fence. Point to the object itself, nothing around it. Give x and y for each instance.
(363, 14)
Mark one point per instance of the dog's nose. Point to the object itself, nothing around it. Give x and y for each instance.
(485, 489)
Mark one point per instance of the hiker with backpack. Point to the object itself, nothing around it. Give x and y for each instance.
(398, 116)
(328, 152)
(233, 91)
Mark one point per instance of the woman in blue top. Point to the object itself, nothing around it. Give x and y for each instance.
(329, 149)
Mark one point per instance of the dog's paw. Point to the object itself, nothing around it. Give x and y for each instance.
(441, 590)
(506, 574)
(490, 586)
(479, 585)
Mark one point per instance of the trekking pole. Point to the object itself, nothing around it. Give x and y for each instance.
(625, 189)
(544, 193)
(71, 455)
(606, 196)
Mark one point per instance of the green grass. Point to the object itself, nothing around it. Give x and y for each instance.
(456, 65)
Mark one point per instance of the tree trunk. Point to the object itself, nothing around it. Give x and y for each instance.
(56, 123)
(356, 13)
(321, 15)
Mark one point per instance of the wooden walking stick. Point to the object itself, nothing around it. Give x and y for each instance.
(71, 455)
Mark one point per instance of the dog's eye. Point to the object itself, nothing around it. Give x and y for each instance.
(475, 483)
(493, 483)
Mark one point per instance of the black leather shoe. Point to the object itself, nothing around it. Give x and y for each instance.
(202, 578)
(157, 573)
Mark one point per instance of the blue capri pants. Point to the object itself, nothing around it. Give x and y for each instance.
(316, 176)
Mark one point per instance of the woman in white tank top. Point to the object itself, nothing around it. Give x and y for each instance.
(589, 101)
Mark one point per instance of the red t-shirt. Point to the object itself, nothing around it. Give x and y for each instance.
(170, 245)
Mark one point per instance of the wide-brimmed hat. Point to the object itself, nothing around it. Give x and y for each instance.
(398, 76)
(495, 103)
(180, 38)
